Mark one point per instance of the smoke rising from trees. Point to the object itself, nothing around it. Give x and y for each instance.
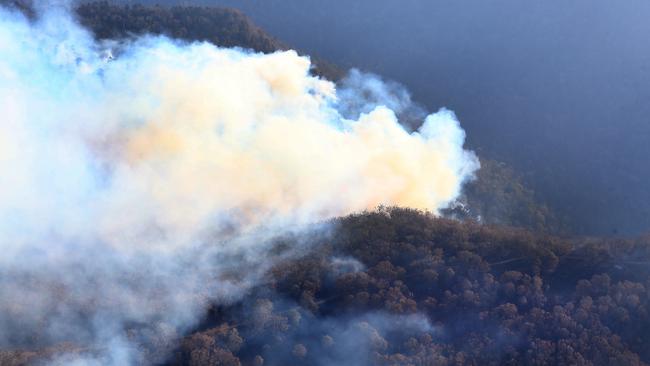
(144, 180)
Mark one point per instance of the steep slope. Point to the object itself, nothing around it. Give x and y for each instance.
(221, 26)
(224, 27)
(499, 196)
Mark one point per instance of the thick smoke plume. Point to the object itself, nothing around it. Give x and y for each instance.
(144, 180)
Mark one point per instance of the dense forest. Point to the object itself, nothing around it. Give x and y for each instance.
(401, 287)
(224, 27)
(489, 295)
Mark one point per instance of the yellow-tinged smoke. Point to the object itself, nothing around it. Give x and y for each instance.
(188, 135)
(220, 130)
(119, 177)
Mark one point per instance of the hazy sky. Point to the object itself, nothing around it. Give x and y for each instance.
(556, 88)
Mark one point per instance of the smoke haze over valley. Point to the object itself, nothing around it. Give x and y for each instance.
(557, 89)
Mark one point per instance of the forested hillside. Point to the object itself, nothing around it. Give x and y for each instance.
(410, 289)
(499, 196)
(488, 284)
(221, 26)
(401, 287)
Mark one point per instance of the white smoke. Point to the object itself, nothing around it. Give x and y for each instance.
(362, 92)
(137, 189)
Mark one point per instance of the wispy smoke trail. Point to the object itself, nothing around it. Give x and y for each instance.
(135, 186)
